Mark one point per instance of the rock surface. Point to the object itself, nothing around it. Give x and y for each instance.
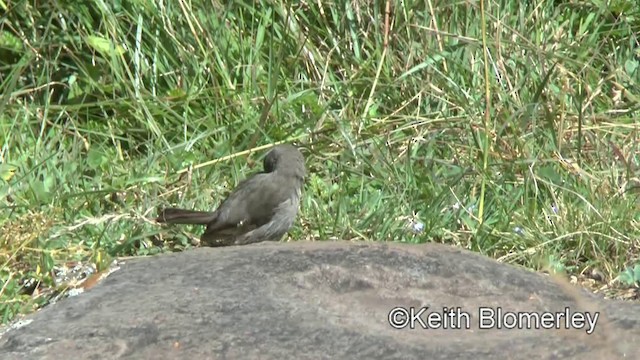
(320, 300)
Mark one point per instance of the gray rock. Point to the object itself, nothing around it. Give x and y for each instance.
(320, 300)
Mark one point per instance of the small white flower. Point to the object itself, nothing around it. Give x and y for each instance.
(417, 227)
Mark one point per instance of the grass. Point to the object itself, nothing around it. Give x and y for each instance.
(526, 152)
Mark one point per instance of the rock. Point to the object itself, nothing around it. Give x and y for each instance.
(323, 300)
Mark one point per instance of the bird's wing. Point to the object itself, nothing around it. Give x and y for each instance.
(252, 203)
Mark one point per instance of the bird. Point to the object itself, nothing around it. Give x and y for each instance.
(262, 207)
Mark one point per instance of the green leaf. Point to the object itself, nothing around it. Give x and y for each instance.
(7, 171)
(9, 41)
(104, 46)
(96, 159)
(40, 191)
(630, 276)
(630, 66)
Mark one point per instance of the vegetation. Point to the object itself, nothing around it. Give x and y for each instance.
(526, 152)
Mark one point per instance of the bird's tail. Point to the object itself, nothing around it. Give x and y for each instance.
(183, 216)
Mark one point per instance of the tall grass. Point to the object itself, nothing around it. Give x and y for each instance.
(506, 127)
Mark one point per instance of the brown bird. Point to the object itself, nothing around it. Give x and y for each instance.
(262, 207)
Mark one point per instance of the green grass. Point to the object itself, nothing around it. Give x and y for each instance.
(527, 152)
